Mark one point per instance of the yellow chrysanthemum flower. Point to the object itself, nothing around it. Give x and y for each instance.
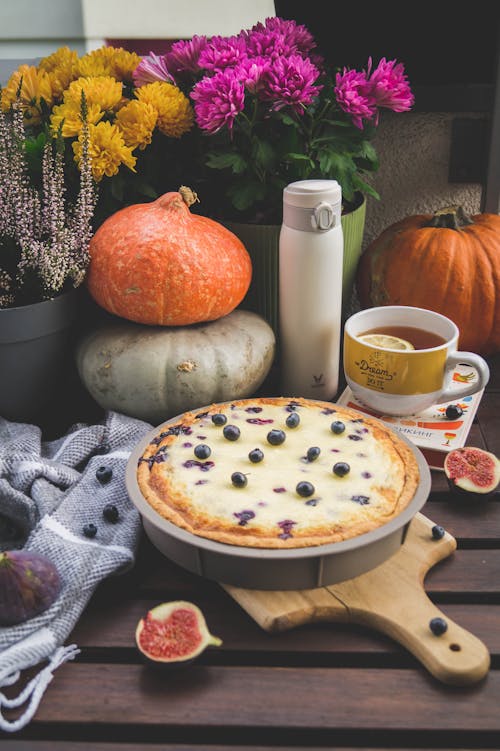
(35, 87)
(68, 117)
(101, 90)
(109, 61)
(175, 114)
(61, 66)
(107, 150)
(136, 122)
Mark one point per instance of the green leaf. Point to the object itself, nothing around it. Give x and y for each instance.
(244, 196)
(263, 154)
(299, 158)
(227, 160)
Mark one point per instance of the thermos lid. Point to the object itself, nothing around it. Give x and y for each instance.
(308, 193)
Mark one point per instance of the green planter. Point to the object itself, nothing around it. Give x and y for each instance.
(262, 243)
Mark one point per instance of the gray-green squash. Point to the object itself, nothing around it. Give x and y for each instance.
(154, 373)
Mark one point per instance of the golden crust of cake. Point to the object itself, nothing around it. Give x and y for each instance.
(200, 476)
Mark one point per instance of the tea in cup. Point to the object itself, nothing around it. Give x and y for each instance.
(399, 360)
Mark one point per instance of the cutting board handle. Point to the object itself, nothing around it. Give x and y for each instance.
(391, 598)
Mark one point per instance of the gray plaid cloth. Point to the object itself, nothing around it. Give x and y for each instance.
(48, 493)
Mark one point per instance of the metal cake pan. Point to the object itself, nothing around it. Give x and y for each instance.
(271, 569)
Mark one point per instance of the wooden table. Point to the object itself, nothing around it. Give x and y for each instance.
(321, 685)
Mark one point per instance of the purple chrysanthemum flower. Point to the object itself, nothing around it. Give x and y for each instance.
(218, 100)
(262, 42)
(295, 35)
(151, 68)
(252, 72)
(389, 86)
(353, 93)
(184, 55)
(222, 52)
(291, 82)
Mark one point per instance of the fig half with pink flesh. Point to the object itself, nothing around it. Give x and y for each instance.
(472, 470)
(174, 633)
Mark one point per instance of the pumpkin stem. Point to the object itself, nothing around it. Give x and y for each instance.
(188, 196)
(451, 217)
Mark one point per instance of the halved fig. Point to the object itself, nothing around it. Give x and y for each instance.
(29, 584)
(472, 470)
(174, 632)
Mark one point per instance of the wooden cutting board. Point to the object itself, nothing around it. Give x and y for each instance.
(391, 599)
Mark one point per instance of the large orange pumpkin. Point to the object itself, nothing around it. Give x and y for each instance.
(157, 263)
(446, 262)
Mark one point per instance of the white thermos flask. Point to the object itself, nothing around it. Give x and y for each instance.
(311, 250)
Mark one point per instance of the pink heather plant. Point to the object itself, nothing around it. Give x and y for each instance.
(44, 239)
(269, 112)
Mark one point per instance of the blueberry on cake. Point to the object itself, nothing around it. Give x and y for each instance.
(277, 473)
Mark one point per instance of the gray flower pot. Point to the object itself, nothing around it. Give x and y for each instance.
(34, 342)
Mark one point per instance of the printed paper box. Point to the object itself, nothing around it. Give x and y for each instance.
(430, 430)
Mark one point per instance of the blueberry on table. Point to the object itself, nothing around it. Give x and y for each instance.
(111, 513)
(102, 448)
(293, 420)
(276, 437)
(438, 626)
(104, 474)
(202, 451)
(239, 480)
(437, 532)
(454, 411)
(337, 427)
(90, 530)
(341, 469)
(231, 432)
(312, 453)
(305, 489)
(256, 456)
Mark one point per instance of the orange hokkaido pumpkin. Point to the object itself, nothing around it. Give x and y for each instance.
(449, 263)
(156, 263)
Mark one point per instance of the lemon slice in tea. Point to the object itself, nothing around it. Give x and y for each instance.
(385, 341)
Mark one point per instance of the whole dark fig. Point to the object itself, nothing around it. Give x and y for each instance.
(472, 470)
(174, 633)
(29, 584)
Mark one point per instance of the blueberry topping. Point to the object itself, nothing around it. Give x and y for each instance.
(231, 432)
(276, 437)
(292, 406)
(219, 419)
(203, 466)
(187, 445)
(438, 626)
(354, 437)
(256, 456)
(259, 420)
(239, 480)
(363, 500)
(111, 513)
(244, 517)
(366, 475)
(104, 474)
(312, 453)
(279, 490)
(341, 469)
(328, 411)
(202, 451)
(312, 502)
(437, 532)
(454, 411)
(286, 527)
(102, 448)
(293, 420)
(305, 489)
(337, 427)
(90, 530)
(201, 482)
(253, 409)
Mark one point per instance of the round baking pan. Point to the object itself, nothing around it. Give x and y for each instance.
(271, 569)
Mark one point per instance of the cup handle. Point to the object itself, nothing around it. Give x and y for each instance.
(475, 361)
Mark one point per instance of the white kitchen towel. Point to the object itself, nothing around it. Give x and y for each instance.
(49, 492)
